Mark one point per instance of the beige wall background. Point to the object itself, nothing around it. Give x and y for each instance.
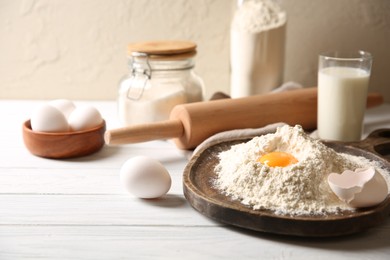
(76, 49)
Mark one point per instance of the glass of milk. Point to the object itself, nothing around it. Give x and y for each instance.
(343, 80)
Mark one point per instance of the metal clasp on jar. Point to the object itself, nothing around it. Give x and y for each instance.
(141, 73)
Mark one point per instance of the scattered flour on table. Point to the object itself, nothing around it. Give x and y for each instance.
(298, 189)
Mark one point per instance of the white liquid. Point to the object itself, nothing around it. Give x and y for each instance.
(342, 95)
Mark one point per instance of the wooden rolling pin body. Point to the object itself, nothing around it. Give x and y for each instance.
(190, 124)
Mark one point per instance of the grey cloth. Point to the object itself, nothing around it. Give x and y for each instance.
(236, 134)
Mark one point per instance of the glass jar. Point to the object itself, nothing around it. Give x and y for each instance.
(161, 76)
(257, 44)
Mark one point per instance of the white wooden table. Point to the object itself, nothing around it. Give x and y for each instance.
(77, 209)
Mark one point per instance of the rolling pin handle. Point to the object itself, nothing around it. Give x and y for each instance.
(144, 132)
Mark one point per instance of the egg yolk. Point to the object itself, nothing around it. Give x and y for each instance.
(277, 159)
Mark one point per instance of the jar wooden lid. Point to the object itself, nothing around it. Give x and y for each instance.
(163, 49)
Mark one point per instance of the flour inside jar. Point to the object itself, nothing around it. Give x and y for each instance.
(300, 188)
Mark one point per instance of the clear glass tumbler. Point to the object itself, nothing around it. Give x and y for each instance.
(343, 80)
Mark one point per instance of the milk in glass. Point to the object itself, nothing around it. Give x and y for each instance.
(342, 94)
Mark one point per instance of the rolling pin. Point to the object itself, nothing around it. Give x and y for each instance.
(190, 124)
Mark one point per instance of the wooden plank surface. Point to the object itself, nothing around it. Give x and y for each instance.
(77, 209)
(166, 242)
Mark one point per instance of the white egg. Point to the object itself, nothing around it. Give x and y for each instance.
(360, 188)
(64, 105)
(84, 117)
(48, 119)
(145, 177)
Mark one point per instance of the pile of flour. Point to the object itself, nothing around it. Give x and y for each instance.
(298, 189)
(257, 16)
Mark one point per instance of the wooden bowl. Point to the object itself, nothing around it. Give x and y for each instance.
(63, 145)
(209, 201)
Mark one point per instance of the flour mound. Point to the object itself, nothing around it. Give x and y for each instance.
(257, 16)
(298, 189)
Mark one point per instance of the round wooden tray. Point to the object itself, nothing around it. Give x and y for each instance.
(210, 202)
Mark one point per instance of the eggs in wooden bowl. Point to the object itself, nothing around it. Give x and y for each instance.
(60, 130)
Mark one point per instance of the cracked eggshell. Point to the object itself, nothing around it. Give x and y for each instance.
(360, 188)
(145, 177)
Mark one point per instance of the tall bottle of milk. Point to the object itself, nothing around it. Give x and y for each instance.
(343, 81)
(257, 42)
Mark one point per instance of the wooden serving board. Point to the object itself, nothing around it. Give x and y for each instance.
(210, 202)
